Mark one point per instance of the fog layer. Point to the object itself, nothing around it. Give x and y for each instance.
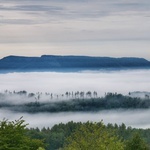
(134, 118)
(101, 81)
(107, 81)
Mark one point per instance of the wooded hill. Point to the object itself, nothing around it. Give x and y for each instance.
(52, 62)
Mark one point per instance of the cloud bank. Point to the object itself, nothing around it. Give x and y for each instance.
(100, 81)
(59, 83)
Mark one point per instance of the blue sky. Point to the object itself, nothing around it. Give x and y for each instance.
(114, 28)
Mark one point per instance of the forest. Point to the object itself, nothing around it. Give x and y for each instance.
(15, 135)
(69, 102)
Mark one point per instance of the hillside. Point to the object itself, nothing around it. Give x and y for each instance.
(52, 62)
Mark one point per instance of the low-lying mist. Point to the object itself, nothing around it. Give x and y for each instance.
(134, 118)
(58, 83)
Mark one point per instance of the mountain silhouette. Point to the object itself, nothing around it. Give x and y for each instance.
(53, 62)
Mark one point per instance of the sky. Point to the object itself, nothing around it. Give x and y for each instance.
(114, 28)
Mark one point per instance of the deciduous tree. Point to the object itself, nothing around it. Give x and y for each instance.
(92, 136)
(13, 136)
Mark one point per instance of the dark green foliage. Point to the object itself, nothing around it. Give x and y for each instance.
(59, 133)
(136, 142)
(110, 101)
(55, 138)
(15, 136)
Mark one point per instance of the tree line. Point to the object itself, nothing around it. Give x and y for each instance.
(14, 135)
(49, 95)
(109, 101)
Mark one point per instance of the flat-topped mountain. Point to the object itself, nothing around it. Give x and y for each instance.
(50, 62)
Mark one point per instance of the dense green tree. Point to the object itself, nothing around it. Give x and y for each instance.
(58, 133)
(136, 143)
(93, 136)
(40, 148)
(56, 136)
(13, 136)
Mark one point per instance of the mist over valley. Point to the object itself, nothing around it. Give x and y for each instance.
(135, 82)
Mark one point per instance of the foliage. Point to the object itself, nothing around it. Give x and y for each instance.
(55, 137)
(40, 148)
(93, 136)
(58, 133)
(136, 142)
(13, 136)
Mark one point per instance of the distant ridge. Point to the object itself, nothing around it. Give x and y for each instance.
(54, 62)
